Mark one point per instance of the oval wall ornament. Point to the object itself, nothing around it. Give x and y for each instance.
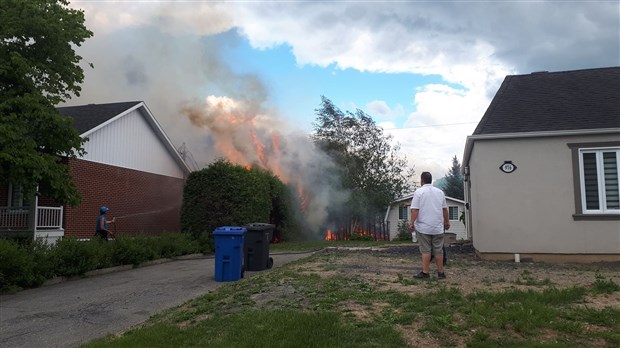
(508, 167)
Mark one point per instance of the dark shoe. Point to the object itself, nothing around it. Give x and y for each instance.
(441, 275)
(422, 275)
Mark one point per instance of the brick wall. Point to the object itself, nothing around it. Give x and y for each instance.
(143, 203)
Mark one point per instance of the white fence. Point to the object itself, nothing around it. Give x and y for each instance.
(18, 218)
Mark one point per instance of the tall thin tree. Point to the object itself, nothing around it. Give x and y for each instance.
(370, 166)
(453, 185)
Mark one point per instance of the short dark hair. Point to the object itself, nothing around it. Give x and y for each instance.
(427, 178)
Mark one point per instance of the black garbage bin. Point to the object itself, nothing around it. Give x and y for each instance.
(256, 246)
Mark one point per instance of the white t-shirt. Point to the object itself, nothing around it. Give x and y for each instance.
(430, 201)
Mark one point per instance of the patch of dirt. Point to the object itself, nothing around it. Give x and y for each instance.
(393, 268)
(363, 313)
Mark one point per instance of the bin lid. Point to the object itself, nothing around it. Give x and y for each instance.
(229, 231)
(259, 226)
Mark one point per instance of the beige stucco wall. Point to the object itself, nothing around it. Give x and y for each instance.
(530, 210)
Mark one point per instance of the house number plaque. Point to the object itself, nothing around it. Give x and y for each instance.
(508, 167)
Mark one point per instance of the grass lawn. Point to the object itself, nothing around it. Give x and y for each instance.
(369, 298)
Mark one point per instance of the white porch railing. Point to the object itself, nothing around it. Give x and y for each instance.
(19, 218)
(49, 218)
(14, 218)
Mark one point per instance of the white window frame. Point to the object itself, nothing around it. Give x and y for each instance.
(19, 201)
(407, 209)
(457, 212)
(598, 151)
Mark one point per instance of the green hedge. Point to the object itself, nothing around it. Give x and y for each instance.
(224, 194)
(27, 265)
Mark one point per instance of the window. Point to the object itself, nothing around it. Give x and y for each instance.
(453, 213)
(403, 212)
(599, 180)
(16, 197)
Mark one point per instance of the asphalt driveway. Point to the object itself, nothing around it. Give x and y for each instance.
(74, 312)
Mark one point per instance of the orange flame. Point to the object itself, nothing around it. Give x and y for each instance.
(330, 235)
(259, 147)
(244, 137)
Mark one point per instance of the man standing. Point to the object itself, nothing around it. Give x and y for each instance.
(429, 218)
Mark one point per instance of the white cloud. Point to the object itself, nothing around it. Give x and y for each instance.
(387, 126)
(471, 45)
(380, 109)
(429, 38)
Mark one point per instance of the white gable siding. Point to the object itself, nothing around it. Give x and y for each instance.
(394, 220)
(456, 226)
(130, 142)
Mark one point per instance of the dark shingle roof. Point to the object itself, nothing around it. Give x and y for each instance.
(87, 117)
(555, 101)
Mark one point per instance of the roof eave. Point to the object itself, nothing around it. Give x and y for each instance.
(469, 144)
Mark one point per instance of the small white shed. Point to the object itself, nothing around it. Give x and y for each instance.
(400, 210)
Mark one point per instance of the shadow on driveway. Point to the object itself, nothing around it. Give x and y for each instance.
(74, 312)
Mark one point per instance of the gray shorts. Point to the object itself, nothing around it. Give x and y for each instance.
(430, 241)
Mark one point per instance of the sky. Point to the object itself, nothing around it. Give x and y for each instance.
(425, 71)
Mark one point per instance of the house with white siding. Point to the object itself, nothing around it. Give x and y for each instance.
(541, 169)
(399, 211)
(130, 166)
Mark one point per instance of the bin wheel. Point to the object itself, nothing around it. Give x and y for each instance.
(242, 270)
(270, 263)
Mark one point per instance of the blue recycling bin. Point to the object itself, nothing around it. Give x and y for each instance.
(229, 253)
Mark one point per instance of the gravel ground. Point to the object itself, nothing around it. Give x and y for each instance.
(393, 268)
(464, 271)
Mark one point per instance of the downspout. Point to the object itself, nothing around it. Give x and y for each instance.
(467, 179)
(469, 144)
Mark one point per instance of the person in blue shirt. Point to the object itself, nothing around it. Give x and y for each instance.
(102, 224)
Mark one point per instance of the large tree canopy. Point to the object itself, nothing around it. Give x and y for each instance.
(39, 69)
(371, 168)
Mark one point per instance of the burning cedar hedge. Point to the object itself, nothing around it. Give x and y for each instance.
(224, 194)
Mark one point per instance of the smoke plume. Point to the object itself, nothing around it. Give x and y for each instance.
(198, 98)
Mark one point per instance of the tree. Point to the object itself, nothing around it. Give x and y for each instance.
(39, 69)
(370, 167)
(453, 185)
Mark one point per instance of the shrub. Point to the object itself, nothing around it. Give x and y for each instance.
(284, 210)
(19, 267)
(26, 264)
(224, 194)
(72, 257)
(174, 244)
(361, 237)
(132, 250)
(404, 231)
